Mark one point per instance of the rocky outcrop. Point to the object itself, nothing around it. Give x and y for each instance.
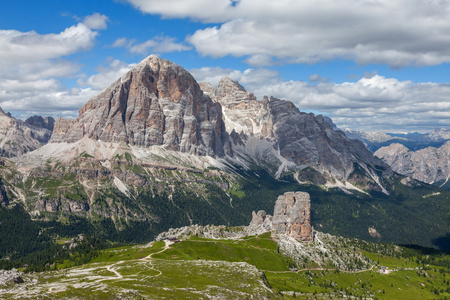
(430, 165)
(291, 216)
(40, 122)
(68, 131)
(8, 276)
(18, 137)
(156, 103)
(300, 139)
(261, 221)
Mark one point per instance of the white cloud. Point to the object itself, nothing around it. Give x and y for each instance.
(120, 42)
(250, 77)
(106, 75)
(204, 10)
(159, 44)
(376, 103)
(371, 103)
(32, 66)
(96, 21)
(317, 78)
(394, 32)
(260, 60)
(28, 47)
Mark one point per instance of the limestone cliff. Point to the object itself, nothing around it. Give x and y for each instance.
(430, 165)
(291, 216)
(156, 103)
(297, 138)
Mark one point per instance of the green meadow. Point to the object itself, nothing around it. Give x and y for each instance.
(250, 267)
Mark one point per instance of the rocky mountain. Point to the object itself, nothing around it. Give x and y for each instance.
(157, 150)
(439, 134)
(430, 165)
(282, 139)
(156, 103)
(371, 138)
(41, 122)
(291, 216)
(18, 137)
(374, 140)
(157, 118)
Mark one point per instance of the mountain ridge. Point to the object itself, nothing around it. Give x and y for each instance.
(430, 165)
(127, 176)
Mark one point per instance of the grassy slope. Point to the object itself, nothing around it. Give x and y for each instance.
(198, 267)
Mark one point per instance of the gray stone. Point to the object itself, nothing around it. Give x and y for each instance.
(18, 137)
(156, 103)
(291, 216)
(301, 138)
(430, 165)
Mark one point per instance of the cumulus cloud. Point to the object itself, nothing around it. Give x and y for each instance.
(371, 103)
(106, 75)
(375, 103)
(96, 21)
(203, 10)
(26, 47)
(32, 66)
(121, 42)
(317, 78)
(252, 78)
(260, 60)
(394, 32)
(158, 44)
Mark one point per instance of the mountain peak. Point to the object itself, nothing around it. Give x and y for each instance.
(230, 85)
(156, 103)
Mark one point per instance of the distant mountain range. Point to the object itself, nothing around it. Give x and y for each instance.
(374, 140)
(18, 137)
(430, 165)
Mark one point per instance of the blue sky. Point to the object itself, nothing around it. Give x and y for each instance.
(368, 64)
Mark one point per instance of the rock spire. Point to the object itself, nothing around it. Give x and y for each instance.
(291, 216)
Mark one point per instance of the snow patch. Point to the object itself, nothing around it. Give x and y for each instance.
(345, 187)
(121, 186)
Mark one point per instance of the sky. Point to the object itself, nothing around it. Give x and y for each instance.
(372, 65)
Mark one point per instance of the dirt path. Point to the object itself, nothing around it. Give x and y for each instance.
(110, 268)
(148, 258)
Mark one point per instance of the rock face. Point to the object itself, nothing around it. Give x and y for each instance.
(156, 103)
(430, 165)
(261, 220)
(40, 122)
(300, 139)
(160, 103)
(291, 216)
(18, 137)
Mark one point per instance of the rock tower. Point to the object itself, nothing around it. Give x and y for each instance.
(292, 216)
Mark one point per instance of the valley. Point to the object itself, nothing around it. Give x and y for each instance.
(148, 192)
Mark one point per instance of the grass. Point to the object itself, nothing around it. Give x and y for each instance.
(259, 251)
(128, 253)
(250, 267)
